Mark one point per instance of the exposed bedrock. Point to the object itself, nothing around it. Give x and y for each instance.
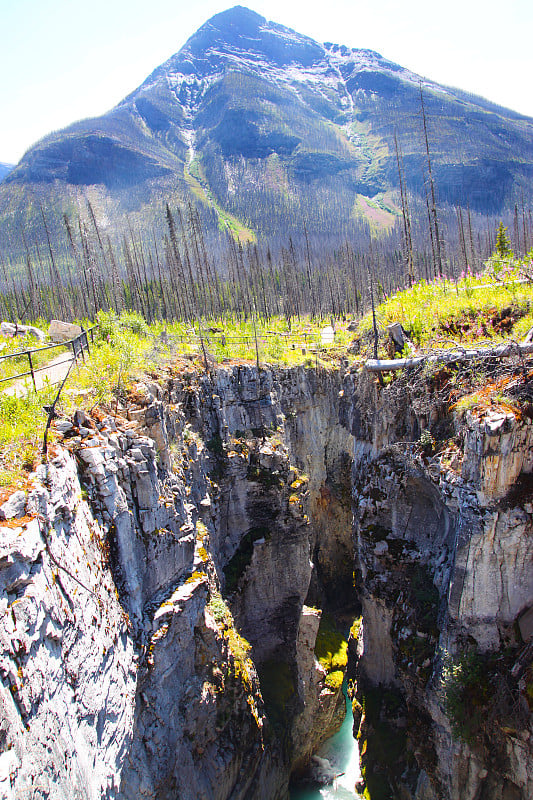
(163, 598)
(155, 638)
(68, 664)
(445, 553)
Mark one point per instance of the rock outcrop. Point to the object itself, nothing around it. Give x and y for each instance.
(162, 593)
(68, 662)
(445, 553)
(155, 638)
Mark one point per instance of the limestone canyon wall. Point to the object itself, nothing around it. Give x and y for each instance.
(162, 579)
(124, 671)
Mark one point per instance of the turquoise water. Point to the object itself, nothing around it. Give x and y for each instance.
(338, 754)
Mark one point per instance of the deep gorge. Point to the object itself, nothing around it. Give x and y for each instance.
(163, 597)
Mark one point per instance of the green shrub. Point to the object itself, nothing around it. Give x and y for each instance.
(466, 693)
(22, 423)
(355, 630)
(334, 680)
(331, 649)
(218, 608)
(238, 646)
(427, 442)
(110, 325)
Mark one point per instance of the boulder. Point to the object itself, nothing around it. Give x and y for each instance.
(10, 329)
(525, 623)
(63, 331)
(15, 507)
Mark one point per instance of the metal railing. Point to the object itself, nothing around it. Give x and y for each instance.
(79, 346)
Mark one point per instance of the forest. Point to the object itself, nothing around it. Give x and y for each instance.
(182, 271)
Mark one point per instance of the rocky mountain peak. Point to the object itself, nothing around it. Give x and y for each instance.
(240, 29)
(241, 40)
(245, 88)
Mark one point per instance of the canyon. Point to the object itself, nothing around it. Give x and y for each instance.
(167, 574)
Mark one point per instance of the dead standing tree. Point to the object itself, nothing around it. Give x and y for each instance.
(432, 203)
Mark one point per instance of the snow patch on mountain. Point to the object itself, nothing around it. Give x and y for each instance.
(191, 72)
(370, 61)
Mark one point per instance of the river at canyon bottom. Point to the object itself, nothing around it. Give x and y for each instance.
(338, 756)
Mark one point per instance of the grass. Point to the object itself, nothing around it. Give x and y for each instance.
(22, 422)
(492, 305)
(126, 348)
(233, 339)
(331, 650)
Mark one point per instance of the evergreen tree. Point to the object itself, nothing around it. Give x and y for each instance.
(503, 243)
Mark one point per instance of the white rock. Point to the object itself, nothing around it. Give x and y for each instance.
(63, 331)
(327, 335)
(9, 764)
(63, 425)
(92, 456)
(14, 507)
(9, 330)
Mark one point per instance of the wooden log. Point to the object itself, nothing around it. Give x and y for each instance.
(449, 356)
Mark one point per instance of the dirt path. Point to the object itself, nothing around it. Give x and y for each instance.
(53, 372)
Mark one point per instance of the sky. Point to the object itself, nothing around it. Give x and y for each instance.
(62, 60)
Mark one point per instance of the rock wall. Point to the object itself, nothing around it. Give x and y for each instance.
(68, 663)
(153, 594)
(445, 554)
(162, 579)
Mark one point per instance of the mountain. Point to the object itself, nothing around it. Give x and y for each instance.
(4, 169)
(263, 127)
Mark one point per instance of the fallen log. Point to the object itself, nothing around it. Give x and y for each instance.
(458, 354)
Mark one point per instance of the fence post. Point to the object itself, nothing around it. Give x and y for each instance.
(51, 413)
(31, 370)
(83, 344)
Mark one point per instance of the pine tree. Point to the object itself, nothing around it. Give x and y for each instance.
(503, 243)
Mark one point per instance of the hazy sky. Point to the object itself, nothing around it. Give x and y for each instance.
(62, 60)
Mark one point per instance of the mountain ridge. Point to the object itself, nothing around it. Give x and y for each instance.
(5, 168)
(250, 103)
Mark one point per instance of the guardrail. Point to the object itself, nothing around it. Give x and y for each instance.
(79, 345)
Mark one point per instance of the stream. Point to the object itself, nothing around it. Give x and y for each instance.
(340, 754)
